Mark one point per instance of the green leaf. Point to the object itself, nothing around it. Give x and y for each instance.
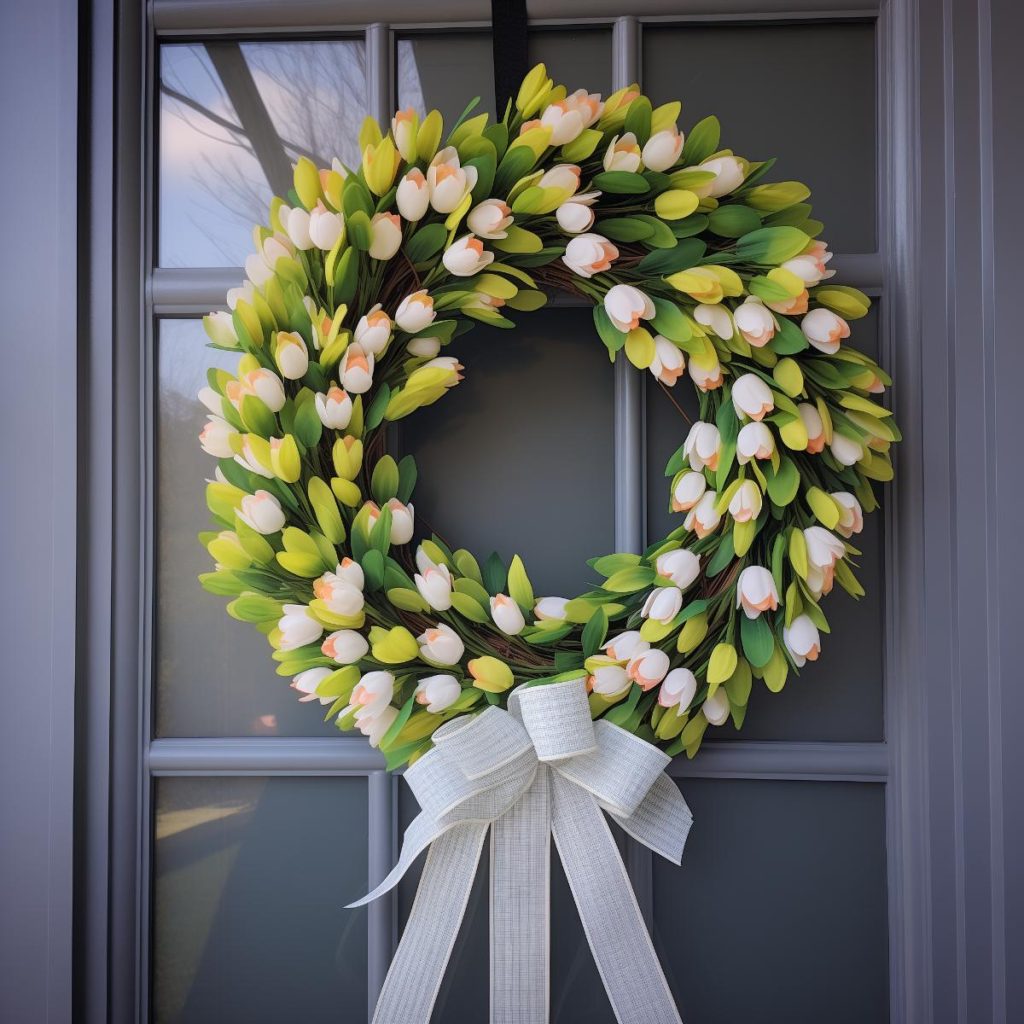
(519, 586)
(373, 567)
(495, 575)
(788, 339)
(360, 232)
(258, 419)
(784, 482)
(307, 426)
(771, 246)
(757, 639)
(702, 140)
(406, 479)
(613, 338)
(375, 413)
(660, 262)
(722, 558)
(622, 183)
(660, 236)
(384, 481)
(594, 633)
(627, 581)
(625, 229)
(733, 220)
(638, 119)
(426, 243)
(467, 607)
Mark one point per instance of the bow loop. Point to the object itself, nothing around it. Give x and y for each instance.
(482, 745)
(557, 718)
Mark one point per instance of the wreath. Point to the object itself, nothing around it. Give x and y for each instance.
(695, 266)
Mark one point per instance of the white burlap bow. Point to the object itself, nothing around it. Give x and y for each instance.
(540, 769)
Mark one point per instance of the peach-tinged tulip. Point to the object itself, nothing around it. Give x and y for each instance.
(266, 386)
(704, 518)
(490, 219)
(297, 628)
(262, 512)
(466, 257)
(662, 604)
(668, 363)
(754, 441)
(716, 707)
(648, 668)
(306, 684)
(752, 397)
(745, 504)
(567, 118)
(449, 181)
(215, 438)
(755, 591)
(334, 408)
(810, 266)
(247, 459)
(681, 566)
(678, 689)
(345, 646)
(351, 572)
(824, 329)
(802, 640)
(415, 312)
(589, 254)
(290, 355)
(564, 177)
(507, 615)
(625, 645)
(374, 725)
(607, 679)
(824, 549)
(438, 693)
(851, 518)
(356, 370)
(340, 596)
(373, 332)
(552, 608)
(729, 174)
(703, 446)
(403, 520)
(706, 373)
(385, 235)
(793, 306)
(413, 195)
(441, 645)
(213, 400)
(626, 306)
(623, 154)
(435, 586)
(689, 489)
(662, 149)
(715, 316)
(325, 227)
(755, 323)
(814, 427)
(373, 692)
(403, 130)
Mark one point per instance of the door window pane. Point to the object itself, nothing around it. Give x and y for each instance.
(778, 912)
(233, 118)
(213, 675)
(802, 93)
(251, 879)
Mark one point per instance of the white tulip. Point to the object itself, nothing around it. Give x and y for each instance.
(681, 566)
(754, 322)
(325, 227)
(745, 504)
(662, 149)
(755, 591)
(689, 489)
(648, 668)
(802, 640)
(266, 386)
(663, 604)
(424, 347)
(814, 427)
(215, 438)
(386, 235)
(449, 182)
(441, 645)
(587, 255)
(507, 615)
(423, 560)
(550, 608)
(626, 306)
(668, 364)
(374, 725)
(824, 329)
(851, 518)
(824, 549)
(295, 222)
(435, 586)
(466, 257)
(703, 446)
(567, 118)
(373, 332)
(247, 459)
(307, 682)
(845, 450)
(415, 312)
(607, 680)
(678, 689)
(262, 512)
(373, 692)
(704, 518)
(213, 400)
(402, 520)
(706, 373)
(438, 692)
(334, 408)
(729, 175)
(716, 707)
(297, 628)
(340, 596)
(403, 130)
(810, 266)
(356, 370)
(754, 441)
(290, 355)
(564, 177)
(715, 316)
(490, 219)
(623, 154)
(413, 195)
(625, 645)
(576, 215)
(350, 571)
(345, 646)
(256, 269)
(752, 397)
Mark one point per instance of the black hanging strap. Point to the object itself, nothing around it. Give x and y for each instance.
(511, 60)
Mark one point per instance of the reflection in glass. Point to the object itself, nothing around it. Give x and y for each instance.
(213, 675)
(251, 878)
(233, 118)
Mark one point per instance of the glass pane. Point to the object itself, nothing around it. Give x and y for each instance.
(425, 62)
(802, 93)
(249, 919)
(214, 675)
(512, 459)
(233, 118)
(839, 697)
(778, 912)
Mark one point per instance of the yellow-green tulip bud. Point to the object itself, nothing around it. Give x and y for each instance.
(393, 646)
(284, 458)
(490, 674)
(348, 457)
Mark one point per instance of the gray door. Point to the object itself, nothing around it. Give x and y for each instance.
(254, 828)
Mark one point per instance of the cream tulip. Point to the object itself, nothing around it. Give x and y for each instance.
(715, 316)
(507, 615)
(374, 692)
(356, 370)
(576, 215)
(338, 595)
(754, 322)
(755, 591)
(246, 458)
(441, 645)
(704, 518)
(466, 257)
(213, 400)
(334, 408)
(824, 549)
(729, 174)
(266, 386)
(824, 329)
(681, 566)
(802, 640)
(814, 427)
(626, 306)
(490, 219)
(295, 222)
(215, 438)
(688, 490)
(262, 512)
(752, 397)
(374, 725)
(385, 235)
(754, 441)
(662, 604)
(373, 331)
(703, 446)
(810, 266)
(623, 154)
(564, 177)
(607, 680)
(845, 450)
(350, 571)
(435, 586)
(625, 645)
(567, 118)
(662, 149)
(297, 628)
(668, 364)
(449, 181)
(345, 646)
(716, 707)
(438, 693)
(589, 254)
(325, 227)
(851, 517)
(306, 684)
(550, 608)
(415, 312)
(745, 504)
(413, 195)
(678, 689)
(648, 668)
(290, 355)
(424, 347)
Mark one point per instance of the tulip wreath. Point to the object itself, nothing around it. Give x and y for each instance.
(694, 265)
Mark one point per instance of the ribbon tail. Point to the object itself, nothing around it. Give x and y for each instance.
(615, 929)
(661, 822)
(520, 870)
(418, 968)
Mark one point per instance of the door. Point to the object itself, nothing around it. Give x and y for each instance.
(257, 821)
